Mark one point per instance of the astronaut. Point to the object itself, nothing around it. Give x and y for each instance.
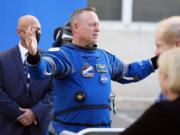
(82, 74)
(62, 35)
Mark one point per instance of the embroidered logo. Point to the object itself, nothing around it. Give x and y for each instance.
(101, 68)
(87, 71)
(104, 78)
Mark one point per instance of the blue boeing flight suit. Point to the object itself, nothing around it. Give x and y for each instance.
(82, 84)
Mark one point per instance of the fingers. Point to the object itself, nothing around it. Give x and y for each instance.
(25, 122)
(35, 122)
(30, 35)
(27, 118)
(20, 117)
(22, 109)
(23, 115)
(31, 30)
(31, 40)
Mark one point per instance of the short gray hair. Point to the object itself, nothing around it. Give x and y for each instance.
(77, 12)
(170, 29)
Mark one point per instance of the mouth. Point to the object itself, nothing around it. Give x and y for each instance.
(95, 35)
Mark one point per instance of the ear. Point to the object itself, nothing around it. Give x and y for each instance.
(18, 30)
(178, 43)
(164, 77)
(75, 26)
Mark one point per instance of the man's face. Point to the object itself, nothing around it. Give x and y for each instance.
(29, 22)
(161, 45)
(88, 27)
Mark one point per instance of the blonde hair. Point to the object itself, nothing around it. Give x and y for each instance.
(169, 64)
(170, 29)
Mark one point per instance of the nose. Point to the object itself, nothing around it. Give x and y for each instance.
(97, 29)
(157, 52)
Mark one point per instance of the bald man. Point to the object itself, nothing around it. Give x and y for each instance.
(25, 103)
(167, 37)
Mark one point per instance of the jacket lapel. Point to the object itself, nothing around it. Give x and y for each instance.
(17, 59)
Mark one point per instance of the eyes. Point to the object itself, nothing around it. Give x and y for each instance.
(35, 28)
(93, 24)
(158, 45)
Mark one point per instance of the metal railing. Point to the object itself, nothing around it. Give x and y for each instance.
(95, 131)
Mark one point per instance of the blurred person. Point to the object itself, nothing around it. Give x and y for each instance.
(167, 37)
(163, 118)
(25, 103)
(62, 35)
(82, 74)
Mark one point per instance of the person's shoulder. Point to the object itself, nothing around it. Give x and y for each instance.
(168, 105)
(105, 52)
(102, 50)
(7, 52)
(51, 51)
(63, 48)
(172, 105)
(54, 49)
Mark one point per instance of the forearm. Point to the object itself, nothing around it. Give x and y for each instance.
(44, 106)
(36, 66)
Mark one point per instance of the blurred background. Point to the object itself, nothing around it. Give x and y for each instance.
(127, 30)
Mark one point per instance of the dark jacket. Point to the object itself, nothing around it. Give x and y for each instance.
(160, 119)
(14, 94)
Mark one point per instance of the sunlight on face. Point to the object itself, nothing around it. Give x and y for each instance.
(161, 46)
(88, 25)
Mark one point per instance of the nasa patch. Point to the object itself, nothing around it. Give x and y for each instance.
(104, 78)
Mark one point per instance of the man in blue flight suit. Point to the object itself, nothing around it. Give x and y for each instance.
(82, 74)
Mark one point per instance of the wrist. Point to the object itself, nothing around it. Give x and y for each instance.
(154, 61)
(33, 59)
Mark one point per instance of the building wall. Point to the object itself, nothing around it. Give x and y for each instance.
(131, 45)
(128, 31)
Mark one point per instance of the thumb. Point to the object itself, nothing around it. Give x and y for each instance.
(22, 109)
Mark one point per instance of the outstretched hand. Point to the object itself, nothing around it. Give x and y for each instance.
(31, 41)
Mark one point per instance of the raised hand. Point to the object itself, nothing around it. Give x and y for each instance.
(31, 41)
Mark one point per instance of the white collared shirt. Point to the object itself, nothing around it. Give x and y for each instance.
(23, 52)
